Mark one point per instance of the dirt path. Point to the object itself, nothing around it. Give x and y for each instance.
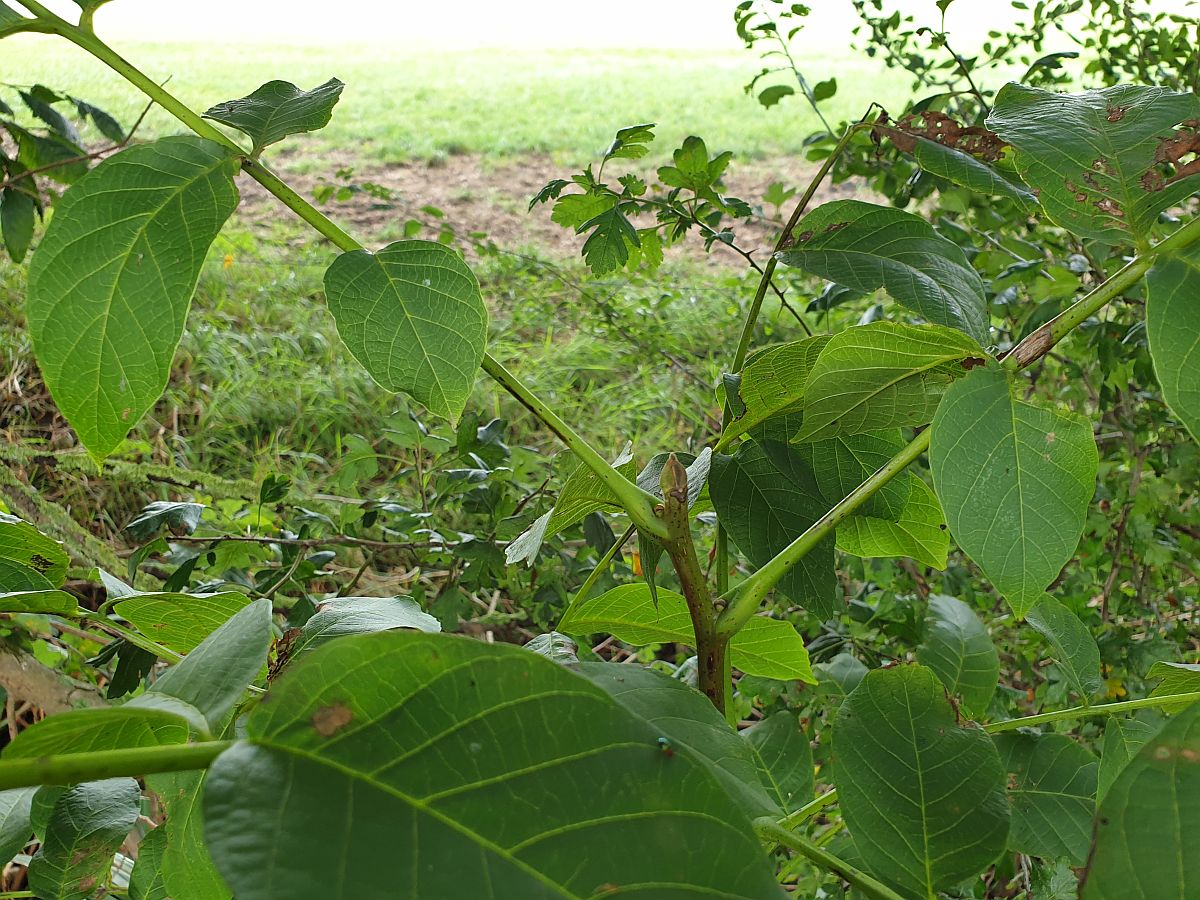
(478, 195)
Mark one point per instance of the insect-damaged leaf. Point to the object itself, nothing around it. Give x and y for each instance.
(865, 247)
(1104, 163)
(445, 738)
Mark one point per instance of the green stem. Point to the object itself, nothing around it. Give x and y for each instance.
(638, 503)
(743, 601)
(72, 768)
(870, 887)
(1083, 712)
(808, 810)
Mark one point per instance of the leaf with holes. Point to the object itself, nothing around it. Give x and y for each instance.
(963, 169)
(767, 647)
(112, 280)
(432, 734)
(1015, 481)
(959, 650)
(880, 376)
(24, 545)
(413, 316)
(1052, 786)
(923, 796)
(920, 532)
(1097, 159)
(866, 247)
(1173, 329)
(86, 828)
(1147, 823)
(279, 109)
(766, 502)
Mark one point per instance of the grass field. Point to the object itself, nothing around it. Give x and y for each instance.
(401, 104)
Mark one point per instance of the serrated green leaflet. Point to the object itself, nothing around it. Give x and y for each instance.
(583, 492)
(844, 462)
(1093, 157)
(179, 621)
(278, 109)
(112, 280)
(413, 316)
(959, 650)
(86, 730)
(86, 828)
(1072, 645)
(446, 739)
(866, 247)
(773, 382)
(687, 719)
(1147, 823)
(1052, 786)
(880, 376)
(1173, 329)
(965, 170)
(765, 507)
(1015, 481)
(923, 797)
(23, 544)
(920, 532)
(767, 647)
(786, 757)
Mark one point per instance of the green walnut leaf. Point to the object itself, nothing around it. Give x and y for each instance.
(1147, 823)
(1095, 158)
(23, 544)
(866, 247)
(179, 621)
(844, 462)
(340, 616)
(923, 796)
(105, 728)
(959, 650)
(446, 739)
(1052, 786)
(686, 718)
(766, 502)
(1122, 740)
(146, 882)
(413, 316)
(880, 376)
(786, 759)
(965, 170)
(770, 648)
(187, 868)
(1176, 678)
(53, 603)
(112, 280)
(1074, 648)
(176, 517)
(15, 578)
(1173, 329)
(1015, 481)
(17, 213)
(919, 533)
(772, 383)
(279, 109)
(16, 826)
(86, 828)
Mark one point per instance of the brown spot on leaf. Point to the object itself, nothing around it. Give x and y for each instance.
(1080, 197)
(328, 720)
(835, 226)
(1110, 207)
(1116, 113)
(1051, 437)
(1153, 180)
(942, 129)
(972, 362)
(40, 563)
(804, 237)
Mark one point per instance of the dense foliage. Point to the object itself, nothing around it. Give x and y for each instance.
(905, 617)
